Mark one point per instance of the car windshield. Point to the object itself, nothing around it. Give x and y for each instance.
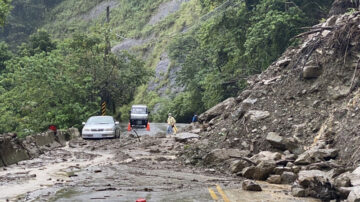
(100, 120)
(138, 110)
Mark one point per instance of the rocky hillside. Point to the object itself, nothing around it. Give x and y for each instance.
(299, 117)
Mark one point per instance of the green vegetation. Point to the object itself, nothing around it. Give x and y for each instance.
(4, 10)
(62, 80)
(64, 84)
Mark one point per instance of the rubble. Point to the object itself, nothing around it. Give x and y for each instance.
(250, 186)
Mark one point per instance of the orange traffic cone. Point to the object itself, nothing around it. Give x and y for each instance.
(129, 127)
(148, 126)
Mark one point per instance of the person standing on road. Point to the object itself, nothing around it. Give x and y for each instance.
(171, 124)
(195, 118)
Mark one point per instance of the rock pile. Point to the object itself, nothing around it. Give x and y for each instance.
(298, 122)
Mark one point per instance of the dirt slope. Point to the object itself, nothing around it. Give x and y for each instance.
(311, 93)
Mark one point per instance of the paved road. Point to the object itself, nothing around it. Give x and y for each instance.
(125, 169)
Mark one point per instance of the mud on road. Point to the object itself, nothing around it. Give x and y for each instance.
(122, 169)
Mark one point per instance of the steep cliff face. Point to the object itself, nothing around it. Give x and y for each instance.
(310, 94)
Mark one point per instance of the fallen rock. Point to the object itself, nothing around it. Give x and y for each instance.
(220, 155)
(317, 184)
(238, 165)
(354, 195)
(74, 132)
(282, 143)
(249, 185)
(257, 115)
(316, 155)
(184, 137)
(280, 170)
(274, 179)
(310, 72)
(216, 110)
(288, 177)
(263, 170)
(248, 172)
(298, 192)
(283, 63)
(265, 156)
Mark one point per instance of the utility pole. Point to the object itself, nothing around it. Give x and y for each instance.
(106, 96)
(107, 38)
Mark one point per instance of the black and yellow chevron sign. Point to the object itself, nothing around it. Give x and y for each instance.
(103, 109)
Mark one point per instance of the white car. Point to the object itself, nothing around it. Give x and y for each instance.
(101, 127)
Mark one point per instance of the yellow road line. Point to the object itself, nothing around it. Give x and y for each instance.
(213, 195)
(222, 193)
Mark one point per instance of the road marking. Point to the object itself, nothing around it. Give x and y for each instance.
(222, 193)
(213, 195)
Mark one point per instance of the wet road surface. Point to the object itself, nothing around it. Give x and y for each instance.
(124, 169)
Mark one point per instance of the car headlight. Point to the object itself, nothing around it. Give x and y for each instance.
(86, 129)
(109, 129)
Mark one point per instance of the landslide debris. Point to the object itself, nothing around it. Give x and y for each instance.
(296, 123)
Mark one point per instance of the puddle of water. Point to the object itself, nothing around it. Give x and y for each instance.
(65, 194)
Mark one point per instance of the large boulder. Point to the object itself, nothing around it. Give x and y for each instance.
(316, 155)
(263, 170)
(298, 191)
(266, 156)
(220, 155)
(274, 179)
(30, 146)
(311, 71)
(238, 165)
(74, 133)
(184, 137)
(217, 110)
(249, 185)
(248, 172)
(282, 143)
(12, 151)
(47, 140)
(355, 177)
(288, 177)
(354, 195)
(343, 180)
(317, 184)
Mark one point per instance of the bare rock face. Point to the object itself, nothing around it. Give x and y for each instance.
(249, 185)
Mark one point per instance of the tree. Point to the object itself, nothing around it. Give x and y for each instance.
(5, 8)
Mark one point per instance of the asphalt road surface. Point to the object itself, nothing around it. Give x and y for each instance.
(125, 169)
